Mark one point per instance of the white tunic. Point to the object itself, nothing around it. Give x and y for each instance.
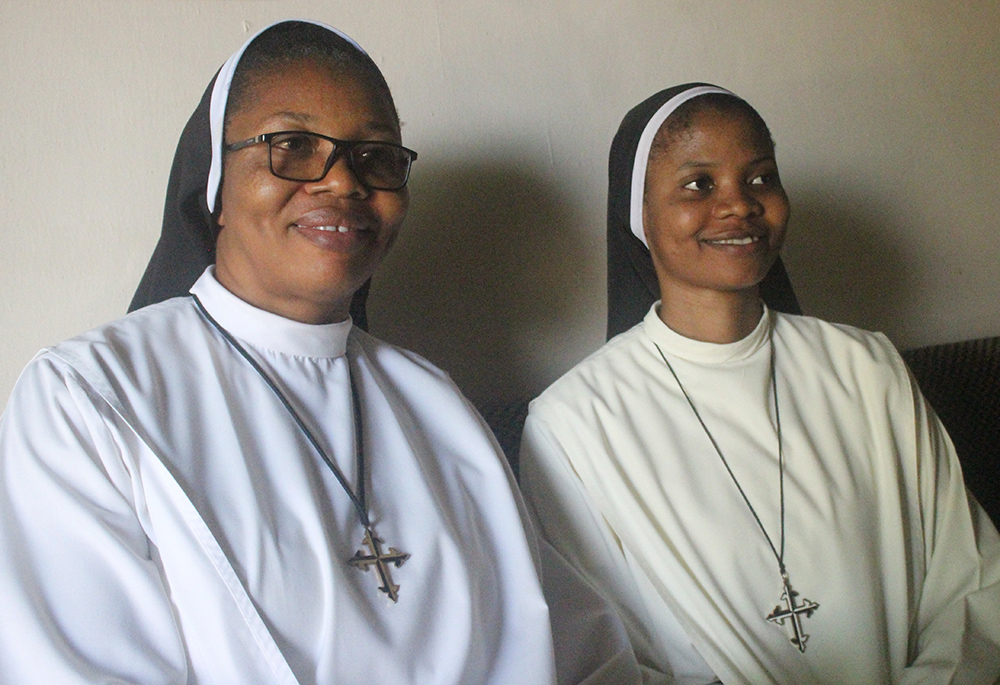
(880, 531)
(163, 520)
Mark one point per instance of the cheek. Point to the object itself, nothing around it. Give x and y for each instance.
(391, 209)
(254, 202)
(661, 237)
(250, 192)
(779, 213)
(665, 223)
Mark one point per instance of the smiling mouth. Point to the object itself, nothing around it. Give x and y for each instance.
(745, 240)
(330, 229)
(335, 221)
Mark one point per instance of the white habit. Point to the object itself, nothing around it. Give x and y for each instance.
(880, 530)
(163, 520)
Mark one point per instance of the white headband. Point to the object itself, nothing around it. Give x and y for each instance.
(220, 95)
(646, 144)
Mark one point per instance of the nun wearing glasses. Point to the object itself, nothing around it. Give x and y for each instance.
(237, 484)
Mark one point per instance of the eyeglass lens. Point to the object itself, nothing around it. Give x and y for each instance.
(301, 156)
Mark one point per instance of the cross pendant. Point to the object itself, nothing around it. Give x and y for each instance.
(793, 613)
(380, 561)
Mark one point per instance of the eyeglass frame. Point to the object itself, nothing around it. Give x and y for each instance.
(341, 148)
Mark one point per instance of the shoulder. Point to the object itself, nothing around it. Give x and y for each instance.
(164, 321)
(842, 355)
(154, 327)
(431, 402)
(620, 360)
(132, 351)
(114, 366)
(410, 380)
(840, 342)
(395, 359)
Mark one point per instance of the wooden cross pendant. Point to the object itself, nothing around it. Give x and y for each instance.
(793, 613)
(380, 560)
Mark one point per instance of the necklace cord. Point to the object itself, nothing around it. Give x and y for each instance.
(779, 556)
(357, 499)
(781, 464)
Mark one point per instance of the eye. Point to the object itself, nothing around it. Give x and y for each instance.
(294, 143)
(380, 163)
(701, 184)
(373, 154)
(768, 178)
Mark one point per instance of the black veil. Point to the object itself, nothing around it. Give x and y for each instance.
(187, 239)
(632, 283)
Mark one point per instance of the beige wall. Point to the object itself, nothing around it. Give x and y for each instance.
(885, 114)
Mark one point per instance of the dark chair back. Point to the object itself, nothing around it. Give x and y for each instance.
(961, 380)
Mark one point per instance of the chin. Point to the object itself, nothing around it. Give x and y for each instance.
(753, 275)
(336, 292)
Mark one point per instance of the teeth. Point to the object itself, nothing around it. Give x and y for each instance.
(736, 241)
(332, 229)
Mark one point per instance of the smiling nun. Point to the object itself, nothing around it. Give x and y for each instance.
(238, 485)
(767, 498)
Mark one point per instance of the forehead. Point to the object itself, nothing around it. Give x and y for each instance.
(718, 133)
(313, 93)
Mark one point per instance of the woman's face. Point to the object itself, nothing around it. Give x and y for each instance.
(298, 249)
(714, 210)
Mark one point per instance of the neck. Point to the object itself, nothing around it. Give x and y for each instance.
(319, 309)
(711, 316)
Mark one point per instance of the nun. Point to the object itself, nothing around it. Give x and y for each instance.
(766, 497)
(235, 483)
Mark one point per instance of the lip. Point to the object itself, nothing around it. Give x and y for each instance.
(333, 219)
(336, 229)
(738, 245)
(740, 237)
(734, 241)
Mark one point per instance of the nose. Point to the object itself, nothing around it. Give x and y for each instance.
(737, 200)
(340, 180)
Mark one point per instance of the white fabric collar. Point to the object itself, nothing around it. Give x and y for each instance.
(697, 351)
(265, 330)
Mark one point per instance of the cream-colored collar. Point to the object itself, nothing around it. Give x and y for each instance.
(676, 344)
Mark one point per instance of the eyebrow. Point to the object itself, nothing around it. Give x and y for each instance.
(307, 119)
(701, 165)
(296, 116)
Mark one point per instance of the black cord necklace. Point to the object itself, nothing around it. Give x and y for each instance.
(375, 558)
(791, 612)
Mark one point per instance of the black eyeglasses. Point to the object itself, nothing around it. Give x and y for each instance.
(307, 157)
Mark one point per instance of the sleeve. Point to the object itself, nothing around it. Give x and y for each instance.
(83, 599)
(589, 642)
(591, 646)
(582, 540)
(956, 628)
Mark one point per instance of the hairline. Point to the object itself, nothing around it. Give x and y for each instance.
(337, 68)
(724, 104)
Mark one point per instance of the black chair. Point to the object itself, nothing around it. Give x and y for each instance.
(961, 380)
(507, 422)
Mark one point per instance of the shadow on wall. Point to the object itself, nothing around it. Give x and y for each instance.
(493, 267)
(848, 261)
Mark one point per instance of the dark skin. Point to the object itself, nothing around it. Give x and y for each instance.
(301, 250)
(714, 214)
